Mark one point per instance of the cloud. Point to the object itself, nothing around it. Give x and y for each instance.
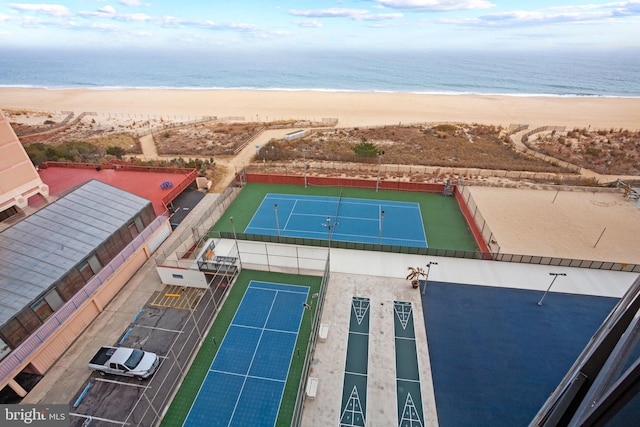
(131, 2)
(355, 14)
(56, 10)
(590, 13)
(4, 17)
(109, 12)
(108, 9)
(307, 23)
(436, 5)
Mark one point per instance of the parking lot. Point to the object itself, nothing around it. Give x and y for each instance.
(173, 332)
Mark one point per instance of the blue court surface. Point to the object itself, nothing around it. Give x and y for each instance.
(496, 356)
(356, 220)
(246, 380)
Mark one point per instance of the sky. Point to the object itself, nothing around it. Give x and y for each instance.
(327, 25)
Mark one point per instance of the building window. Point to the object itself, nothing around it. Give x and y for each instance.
(75, 279)
(94, 264)
(125, 234)
(42, 309)
(4, 349)
(28, 320)
(85, 271)
(53, 299)
(65, 288)
(148, 215)
(133, 230)
(102, 253)
(14, 333)
(139, 225)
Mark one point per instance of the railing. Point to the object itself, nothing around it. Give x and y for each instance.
(51, 128)
(32, 343)
(167, 198)
(536, 154)
(251, 138)
(119, 165)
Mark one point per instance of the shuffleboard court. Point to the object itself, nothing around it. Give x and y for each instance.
(246, 380)
(345, 219)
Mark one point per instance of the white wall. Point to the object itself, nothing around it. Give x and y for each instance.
(182, 277)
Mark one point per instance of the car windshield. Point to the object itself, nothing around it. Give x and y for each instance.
(134, 359)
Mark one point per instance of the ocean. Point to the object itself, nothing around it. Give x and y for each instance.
(613, 73)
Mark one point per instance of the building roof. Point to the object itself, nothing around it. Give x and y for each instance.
(18, 177)
(143, 181)
(42, 248)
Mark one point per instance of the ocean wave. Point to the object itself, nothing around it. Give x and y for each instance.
(315, 89)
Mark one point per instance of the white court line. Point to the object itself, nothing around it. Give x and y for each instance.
(252, 359)
(290, 214)
(257, 285)
(263, 329)
(235, 374)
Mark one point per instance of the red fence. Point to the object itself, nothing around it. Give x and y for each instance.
(323, 181)
(477, 233)
(193, 174)
(424, 187)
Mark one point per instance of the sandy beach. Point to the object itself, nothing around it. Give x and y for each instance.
(350, 108)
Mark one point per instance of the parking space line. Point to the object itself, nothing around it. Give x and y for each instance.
(120, 382)
(181, 297)
(159, 329)
(91, 418)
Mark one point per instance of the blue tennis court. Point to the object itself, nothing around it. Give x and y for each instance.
(356, 220)
(246, 380)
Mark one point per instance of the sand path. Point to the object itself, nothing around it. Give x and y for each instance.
(148, 146)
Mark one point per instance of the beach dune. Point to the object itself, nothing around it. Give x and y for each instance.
(350, 108)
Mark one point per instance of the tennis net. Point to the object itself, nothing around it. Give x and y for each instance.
(338, 207)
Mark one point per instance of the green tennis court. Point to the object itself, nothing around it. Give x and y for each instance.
(192, 383)
(444, 225)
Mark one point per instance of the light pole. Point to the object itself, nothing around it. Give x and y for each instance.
(379, 164)
(308, 307)
(380, 230)
(555, 276)
(235, 239)
(329, 226)
(304, 162)
(426, 276)
(275, 209)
